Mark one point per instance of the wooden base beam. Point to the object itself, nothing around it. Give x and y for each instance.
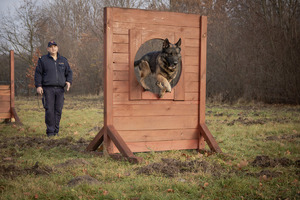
(97, 141)
(210, 140)
(15, 115)
(113, 134)
(121, 145)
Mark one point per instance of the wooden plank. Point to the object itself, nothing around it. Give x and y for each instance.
(119, 142)
(12, 79)
(4, 98)
(192, 96)
(148, 35)
(192, 77)
(135, 89)
(190, 32)
(6, 115)
(191, 68)
(121, 76)
(191, 51)
(4, 87)
(191, 87)
(108, 76)
(123, 99)
(150, 95)
(159, 135)
(187, 32)
(205, 134)
(179, 88)
(155, 122)
(108, 145)
(5, 92)
(120, 58)
(192, 42)
(213, 145)
(5, 107)
(97, 141)
(202, 66)
(123, 39)
(162, 145)
(121, 31)
(155, 17)
(155, 110)
(120, 48)
(15, 115)
(191, 60)
(120, 66)
(120, 86)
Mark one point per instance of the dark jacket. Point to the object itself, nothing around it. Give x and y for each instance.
(49, 72)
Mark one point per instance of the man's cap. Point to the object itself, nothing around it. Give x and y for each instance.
(52, 43)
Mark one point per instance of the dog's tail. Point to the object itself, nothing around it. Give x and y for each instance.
(137, 63)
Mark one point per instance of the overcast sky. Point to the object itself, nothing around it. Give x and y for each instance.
(8, 4)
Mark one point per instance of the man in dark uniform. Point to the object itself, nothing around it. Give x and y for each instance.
(52, 74)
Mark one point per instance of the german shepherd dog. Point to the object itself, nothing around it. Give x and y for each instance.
(163, 64)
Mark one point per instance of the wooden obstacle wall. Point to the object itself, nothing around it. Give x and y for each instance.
(7, 94)
(139, 119)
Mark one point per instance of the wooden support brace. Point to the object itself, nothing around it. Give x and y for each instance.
(97, 141)
(210, 140)
(15, 115)
(121, 145)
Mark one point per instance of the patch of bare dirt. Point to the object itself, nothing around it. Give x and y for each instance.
(14, 145)
(266, 174)
(266, 161)
(82, 179)
(297, 163)
(172, 167)
(13, 171)
(246, 121)
(283, 137)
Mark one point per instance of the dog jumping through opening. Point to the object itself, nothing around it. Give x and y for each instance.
(163, 64)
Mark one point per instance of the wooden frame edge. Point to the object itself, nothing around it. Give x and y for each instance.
(97, 141)
(210, 140)
(121, 145)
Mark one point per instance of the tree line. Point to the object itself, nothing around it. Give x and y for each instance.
(253, 50)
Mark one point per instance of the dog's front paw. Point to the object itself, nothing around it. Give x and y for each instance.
(168, 88)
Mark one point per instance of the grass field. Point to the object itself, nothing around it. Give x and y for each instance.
(261, 158)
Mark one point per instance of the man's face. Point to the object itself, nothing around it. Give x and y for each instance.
(53, 49)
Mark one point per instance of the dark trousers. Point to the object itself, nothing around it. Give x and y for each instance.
(53, 101)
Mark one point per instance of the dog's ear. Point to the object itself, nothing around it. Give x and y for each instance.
(166, 43)
(178, 43)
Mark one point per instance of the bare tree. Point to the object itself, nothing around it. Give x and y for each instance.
(125, 3)
(253, 48)
(18, 30)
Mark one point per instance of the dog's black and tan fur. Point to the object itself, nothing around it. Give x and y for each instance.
(164, 64)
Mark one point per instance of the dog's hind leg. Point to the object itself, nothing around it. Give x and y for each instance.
(163, 84)
(144, 70)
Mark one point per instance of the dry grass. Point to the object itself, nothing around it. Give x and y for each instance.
(260, 160)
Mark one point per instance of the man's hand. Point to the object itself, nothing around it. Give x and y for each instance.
(39, 90)
(68, 86)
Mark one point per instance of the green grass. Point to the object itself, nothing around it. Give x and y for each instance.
(242, 131)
